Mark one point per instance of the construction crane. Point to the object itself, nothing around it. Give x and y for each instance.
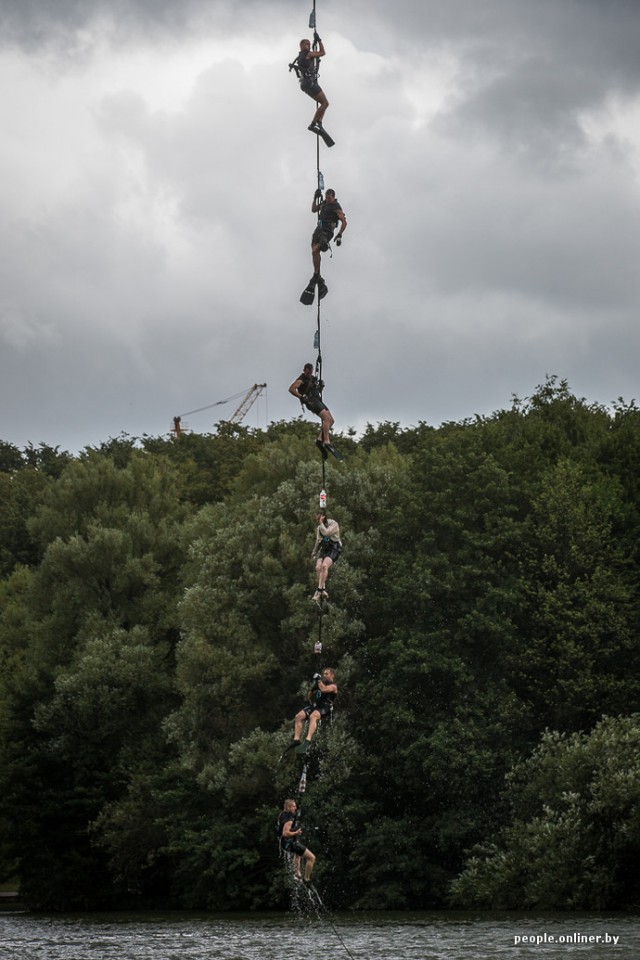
(248, 400)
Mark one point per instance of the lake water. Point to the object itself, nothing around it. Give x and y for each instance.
(370, 936)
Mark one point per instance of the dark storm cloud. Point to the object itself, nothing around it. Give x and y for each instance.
(55, 23)
(603, 35)
(32, 23)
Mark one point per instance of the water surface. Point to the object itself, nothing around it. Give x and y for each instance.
(368, 936)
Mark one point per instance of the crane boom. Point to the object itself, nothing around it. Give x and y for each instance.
(247, 402)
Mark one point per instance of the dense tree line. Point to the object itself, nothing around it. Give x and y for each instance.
(156, 639)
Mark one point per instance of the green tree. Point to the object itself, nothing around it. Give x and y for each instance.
(574, 837)
(24, 478)
(90, 634)
(580, 657)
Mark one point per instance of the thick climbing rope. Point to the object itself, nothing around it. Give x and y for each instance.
(320, 182)
(318, 373)
(318, 334)
(318, 645)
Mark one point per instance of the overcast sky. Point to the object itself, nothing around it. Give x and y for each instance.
(156, 177)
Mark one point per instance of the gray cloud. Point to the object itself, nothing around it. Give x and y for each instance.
(156, 186)
(73, 25)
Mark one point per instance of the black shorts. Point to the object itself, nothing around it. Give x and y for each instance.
(331, 550)
(311, 87)
(295, 847)
(324, 710)
(316, 406)
(322, 237)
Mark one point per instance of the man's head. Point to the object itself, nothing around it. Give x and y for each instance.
(308, 369)
(328, 675)
(290, 806)
(305, 44)
(330, 194)
(321, 517)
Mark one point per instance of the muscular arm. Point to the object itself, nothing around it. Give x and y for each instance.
(343, 221)
(294, 389)
(327, 687)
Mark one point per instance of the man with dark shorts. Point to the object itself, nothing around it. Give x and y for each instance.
(289, 843)
(306, 67)
(307, 389)
(326, 552)
(330, 214)
(321, 697)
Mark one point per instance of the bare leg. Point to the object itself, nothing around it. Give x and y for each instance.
(327, 423)
(323, 573)
(299, 724)
(323, 103)
(313, 724)
(310, 861)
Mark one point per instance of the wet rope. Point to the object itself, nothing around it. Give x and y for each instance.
(318, 647)
(326, 913)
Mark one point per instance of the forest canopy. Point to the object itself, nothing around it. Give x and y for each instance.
(157, 637)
